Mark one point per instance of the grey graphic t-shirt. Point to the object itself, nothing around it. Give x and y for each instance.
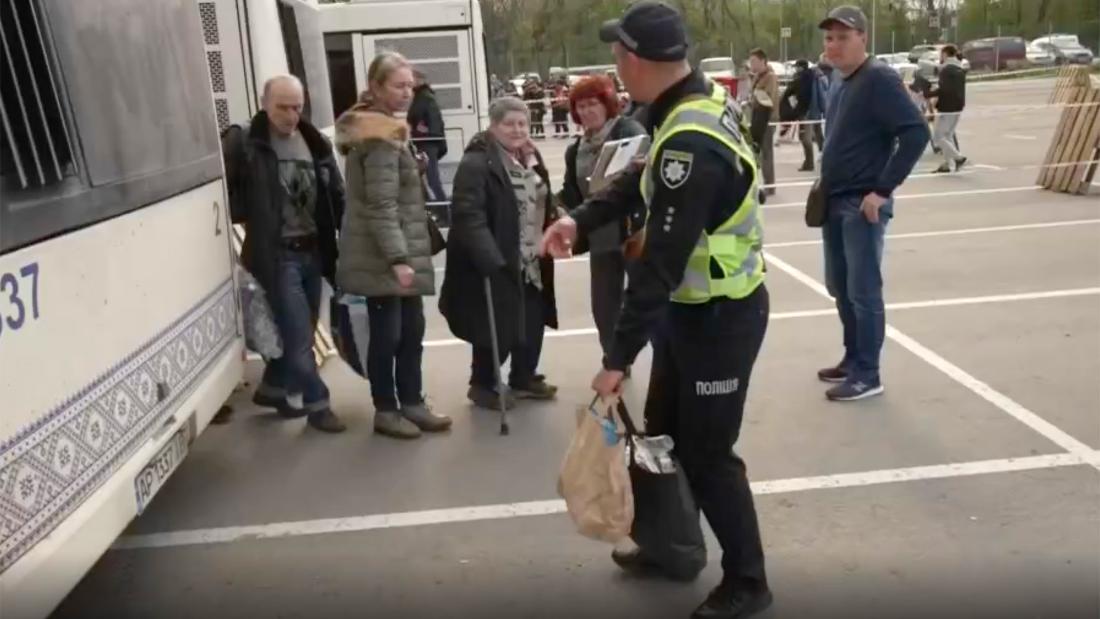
(299, 180)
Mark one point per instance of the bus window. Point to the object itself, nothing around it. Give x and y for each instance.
(299, 22)
(144, 121)
(341, 71)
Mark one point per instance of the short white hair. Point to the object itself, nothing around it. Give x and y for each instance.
(280, 79)
(501, 107)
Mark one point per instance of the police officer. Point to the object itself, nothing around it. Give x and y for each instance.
(698, 287)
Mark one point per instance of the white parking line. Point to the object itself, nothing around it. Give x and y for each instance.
(938, 194)
(935, 233)
(983, 390)
(814, 313)
(1017, 136)
(275, 530)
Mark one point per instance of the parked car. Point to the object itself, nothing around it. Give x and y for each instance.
(1067, 49)
(920, 50)
(900, 63)
(933, 56)
(721, 69)
(994, 53)
(1041, 55)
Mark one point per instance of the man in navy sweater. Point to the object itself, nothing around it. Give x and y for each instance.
(874, 137)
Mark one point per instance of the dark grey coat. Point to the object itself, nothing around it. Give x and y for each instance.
(256, 196)
(484, 241)
(610, 237)
(387, 221)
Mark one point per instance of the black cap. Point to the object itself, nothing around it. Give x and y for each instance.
(847, 16)
(651, 30)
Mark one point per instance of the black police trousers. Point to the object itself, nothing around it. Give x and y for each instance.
(702, 360)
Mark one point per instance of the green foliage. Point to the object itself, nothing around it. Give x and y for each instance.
(533, 35)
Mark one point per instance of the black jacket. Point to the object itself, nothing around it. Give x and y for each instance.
(484, 241)
(797, 96)
(611, 236)
(696, 188)
(256, 196)
(426, 121)
(951, 92)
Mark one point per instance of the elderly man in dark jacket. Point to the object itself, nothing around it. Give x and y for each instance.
(285, 187)
(502, 203)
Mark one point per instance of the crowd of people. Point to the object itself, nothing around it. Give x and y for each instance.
(685, 223)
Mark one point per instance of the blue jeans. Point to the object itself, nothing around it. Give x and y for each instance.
(435, 182)
(853, 275)
(395, 351)
(295, 303)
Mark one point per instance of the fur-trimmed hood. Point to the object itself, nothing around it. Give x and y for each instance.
(361, 124)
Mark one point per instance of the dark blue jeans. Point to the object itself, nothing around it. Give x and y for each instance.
(435, 182)
(295, 303)
(395, 351)
(525, 351)
(853, 275)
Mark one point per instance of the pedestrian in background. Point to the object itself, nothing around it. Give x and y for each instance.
(765, 113)
(875, 137)
(428, 133)
(795, 107)
(594, 105)
(560, 108)
(502, 203)
(286, 188)
(950, 96)
(386, 247)
(533, 95)
(819, 103)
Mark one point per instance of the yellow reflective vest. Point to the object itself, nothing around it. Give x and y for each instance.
(736, 244)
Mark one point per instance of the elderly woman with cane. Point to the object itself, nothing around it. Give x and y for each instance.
(501, 204)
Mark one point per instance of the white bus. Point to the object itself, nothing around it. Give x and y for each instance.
(442, 38)
(119, 329)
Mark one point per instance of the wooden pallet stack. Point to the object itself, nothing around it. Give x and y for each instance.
(1071, 161)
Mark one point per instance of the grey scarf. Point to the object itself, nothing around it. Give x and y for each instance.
(588, 150)
(530, 193)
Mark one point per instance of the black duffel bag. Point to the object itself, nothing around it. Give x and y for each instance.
(666, 519)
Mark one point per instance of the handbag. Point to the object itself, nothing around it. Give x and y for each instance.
(816, 205)
(435, 235)
(666, 518)
(594, 481)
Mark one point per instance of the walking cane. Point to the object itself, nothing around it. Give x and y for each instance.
(501, 389)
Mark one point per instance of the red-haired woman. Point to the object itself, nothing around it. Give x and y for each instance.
(594, 105)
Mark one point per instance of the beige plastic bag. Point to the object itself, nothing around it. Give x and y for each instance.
(594, 480)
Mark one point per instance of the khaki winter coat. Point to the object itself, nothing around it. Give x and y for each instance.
(387, 220)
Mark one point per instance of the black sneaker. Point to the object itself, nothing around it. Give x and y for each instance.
(853, 390)
(806, 167)
(724, 602)
(535, 390)
(943, 169)
(836, 374)
(636, 563)
(488, 398)
(326, 421)
(959, 163)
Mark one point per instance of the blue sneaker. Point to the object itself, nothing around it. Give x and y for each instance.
(853, 390)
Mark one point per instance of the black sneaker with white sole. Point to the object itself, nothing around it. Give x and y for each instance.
(836, 374)
(853, 390)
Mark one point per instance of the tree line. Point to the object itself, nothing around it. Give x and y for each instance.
(534, 35)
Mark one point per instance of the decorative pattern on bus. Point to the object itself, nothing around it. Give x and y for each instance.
(49, 468)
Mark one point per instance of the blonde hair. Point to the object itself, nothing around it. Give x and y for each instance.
(383, 66)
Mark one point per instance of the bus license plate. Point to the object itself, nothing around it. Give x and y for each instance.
(157, 471)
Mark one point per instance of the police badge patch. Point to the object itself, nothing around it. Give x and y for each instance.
(675, 167)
